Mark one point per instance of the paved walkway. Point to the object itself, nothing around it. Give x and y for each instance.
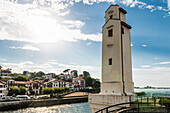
(77, 94)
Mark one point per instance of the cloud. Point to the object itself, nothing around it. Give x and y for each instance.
(144, 45)
(154, 76)
(131, 44)
(73, 24)
(89, 43)
(167, 62)
(26, 47)
(145, 66)
(40, 21)
(168, 2)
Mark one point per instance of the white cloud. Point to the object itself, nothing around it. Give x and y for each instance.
(74, 24)
(40, 21)
(150, 6)
(131, 44)
(3, 59)
(167, 62)
(145, 66)
(154, 76)
(144, 45)
(89, 43)
(26, 47)
(168, 2)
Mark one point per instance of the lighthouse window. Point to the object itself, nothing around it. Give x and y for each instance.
(110, 61)
(111, 16)
(110, 33)
(122, 30)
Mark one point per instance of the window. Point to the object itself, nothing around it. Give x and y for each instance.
(122, 29)
(110, 33)
(110, 61)
(0, 91)
(111, 16)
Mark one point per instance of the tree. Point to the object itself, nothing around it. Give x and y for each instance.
(60, 89)
(86, 74)
(47, 91)
(23, 90)
(32, 92)
(66, 71)
(40, 74)
(21, 78)
(14, 91)
(89, 81)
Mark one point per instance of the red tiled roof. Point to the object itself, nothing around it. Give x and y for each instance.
(5, 80)
(20, 82)
(78, 78)
(64, 75)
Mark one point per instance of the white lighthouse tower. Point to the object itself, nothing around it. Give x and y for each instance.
(117, 85)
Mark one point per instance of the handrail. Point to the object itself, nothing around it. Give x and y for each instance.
(114, 106)
(133, 108)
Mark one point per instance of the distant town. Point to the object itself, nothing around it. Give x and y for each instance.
(37, 83)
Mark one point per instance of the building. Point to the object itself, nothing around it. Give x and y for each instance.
(65, 77)
(4, 73)
(116, 85)
(49, 76)
(3, 89)
(52, 83)
(33, 87)
(70, 85)
(79, 83)
(8, 82)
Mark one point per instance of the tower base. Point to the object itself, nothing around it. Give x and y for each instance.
(100, 101)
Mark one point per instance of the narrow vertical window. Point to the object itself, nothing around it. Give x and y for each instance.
(110, 33)
(111, 16)
(110, 61)
(122, 29)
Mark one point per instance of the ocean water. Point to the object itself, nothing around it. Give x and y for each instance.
(150, 92)
(66, 108)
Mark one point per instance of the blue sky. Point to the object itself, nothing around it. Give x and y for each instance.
(53, 35)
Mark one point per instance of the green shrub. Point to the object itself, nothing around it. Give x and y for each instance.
(47, 91)
(23, 90)
(14, 91)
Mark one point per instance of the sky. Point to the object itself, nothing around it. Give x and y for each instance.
(53, 35)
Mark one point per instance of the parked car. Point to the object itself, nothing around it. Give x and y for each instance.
(7, 98)
(22, 97)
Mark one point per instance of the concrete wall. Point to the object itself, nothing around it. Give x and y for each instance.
(13, 105)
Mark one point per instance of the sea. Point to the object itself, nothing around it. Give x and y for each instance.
(79, 107)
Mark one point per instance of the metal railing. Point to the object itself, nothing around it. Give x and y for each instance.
(136, 107)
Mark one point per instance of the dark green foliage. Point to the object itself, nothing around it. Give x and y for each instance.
(60, 89)
(47, 91)
(14, 91)
(66, 71)
(21, 78)
(32, 92)
(17, 91)
(165, 102)
(66, 88)
(89, 81)
(86, 74)
(23, 90)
